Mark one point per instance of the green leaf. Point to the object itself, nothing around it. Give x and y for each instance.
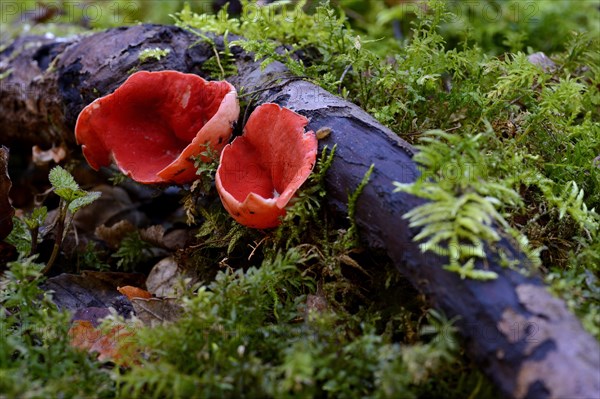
(37, 218)
(64, 184)
(86, 199)
(62, 180)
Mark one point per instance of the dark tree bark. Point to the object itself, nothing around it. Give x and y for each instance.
(523, 337)
(7, 251)
(6, 209)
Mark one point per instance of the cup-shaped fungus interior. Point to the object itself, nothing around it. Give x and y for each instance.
(262, 169)
(155, 122)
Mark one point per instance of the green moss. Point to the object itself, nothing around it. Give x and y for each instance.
(248, 333)
(36, 359)
(153, 53)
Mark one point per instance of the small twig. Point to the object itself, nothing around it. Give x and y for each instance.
(34, 238)
(245, 118)
(397, 29)
(219, 62)
(289, 79)
(533, 88)
(538, 84)
(40, 198)
(454, 128)
(342, 78)
(256, 247)
(60, 226)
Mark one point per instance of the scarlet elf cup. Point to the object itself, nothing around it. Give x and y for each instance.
(155, 122)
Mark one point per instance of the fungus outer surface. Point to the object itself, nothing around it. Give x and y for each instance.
(155, 122)
(261, 170)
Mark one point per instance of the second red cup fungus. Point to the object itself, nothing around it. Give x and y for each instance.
(155, 122)
(261, 170)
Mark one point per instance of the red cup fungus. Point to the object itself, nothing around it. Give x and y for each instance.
(155, 122)
(261, 170)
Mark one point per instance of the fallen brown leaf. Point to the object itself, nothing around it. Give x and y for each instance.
(132, 292)
(114, 205)
(116, 345)
(114, 234)
(92, 314)
(156, 311)
(163, 278)
(169, 279)
(153, 235)
(92, 289)
(173, 239)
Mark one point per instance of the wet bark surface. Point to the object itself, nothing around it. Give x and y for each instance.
(525, 339)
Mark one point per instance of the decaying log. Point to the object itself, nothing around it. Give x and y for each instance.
(6, 210)
(523, 337)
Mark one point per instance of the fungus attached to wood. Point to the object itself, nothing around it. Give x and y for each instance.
(262, 169)
(155, 122)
